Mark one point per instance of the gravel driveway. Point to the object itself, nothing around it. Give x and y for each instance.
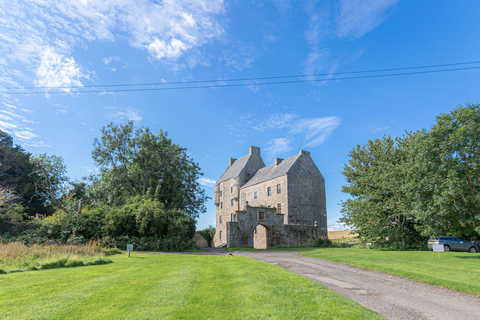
(390, 296)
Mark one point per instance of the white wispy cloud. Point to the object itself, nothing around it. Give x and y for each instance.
(206, 182)
(275, 121)
(343, 19)
(378, 129)
(356, 18)
(279, 146)
(239, 56)
(108, 60)
(120, 114)
(16, 124)
(56, 70)
(42, 35)
(316, 130)
(339, 226)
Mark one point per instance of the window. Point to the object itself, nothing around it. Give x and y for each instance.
(261, 215)
(231, 189)
(279, 188)
(279, 208)
(221, 205)
(243, 196)
(232, 217)
(220, 219)
(231, 202)
(269, 191)
(255, 195)
(220, 193)
(220, 235)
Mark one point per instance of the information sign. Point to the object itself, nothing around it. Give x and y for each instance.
(438, 248)
(129, 248)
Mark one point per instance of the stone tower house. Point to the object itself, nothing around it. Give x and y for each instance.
(282, 204)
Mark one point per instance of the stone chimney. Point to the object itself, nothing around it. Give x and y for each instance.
(231, 161)
(254, 150)
(277, 161)
(307, 153)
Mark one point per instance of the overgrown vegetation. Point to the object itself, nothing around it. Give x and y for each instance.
(404, 190)
(146, 193)
(208, 234)
(17, 257)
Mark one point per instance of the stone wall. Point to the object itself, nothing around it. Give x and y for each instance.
(247, 194)
(199, 240)
(259, 227)
(306, 194)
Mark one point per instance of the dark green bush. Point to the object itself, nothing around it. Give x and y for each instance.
(324, 242)
(111, 251)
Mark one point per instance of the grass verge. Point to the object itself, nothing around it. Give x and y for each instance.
(454, 270)
(171, 286)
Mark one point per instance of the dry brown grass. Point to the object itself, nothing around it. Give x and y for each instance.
(342, 235)
(16, 256)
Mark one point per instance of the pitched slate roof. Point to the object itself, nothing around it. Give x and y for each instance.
(234, 170)
(271, 172)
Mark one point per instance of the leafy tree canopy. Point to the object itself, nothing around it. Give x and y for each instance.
(17, 177)
(444, 178)
(137, 162)
(379, 208)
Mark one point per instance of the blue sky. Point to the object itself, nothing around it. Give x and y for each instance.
(71, 44)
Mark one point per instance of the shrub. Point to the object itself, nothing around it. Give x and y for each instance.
(324, 242)
(111, 251)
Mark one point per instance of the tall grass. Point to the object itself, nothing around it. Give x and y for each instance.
(18, 256)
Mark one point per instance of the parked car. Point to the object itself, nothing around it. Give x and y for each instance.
(453, 244)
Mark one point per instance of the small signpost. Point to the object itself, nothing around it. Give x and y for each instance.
(129, 248)
(438, 248)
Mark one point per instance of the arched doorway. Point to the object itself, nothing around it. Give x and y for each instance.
(260, 237)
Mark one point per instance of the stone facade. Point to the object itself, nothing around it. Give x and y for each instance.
(199, 240)
(282, 204)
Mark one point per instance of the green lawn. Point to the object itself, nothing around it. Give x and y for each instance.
(459, 271)
(172, 287)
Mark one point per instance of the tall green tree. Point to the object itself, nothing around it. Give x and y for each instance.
(17, 177)
(379, 208)
(444, 178)
(52, 179)
(135, 162)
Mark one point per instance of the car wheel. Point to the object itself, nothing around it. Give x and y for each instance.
(472, 250)
(446, 247)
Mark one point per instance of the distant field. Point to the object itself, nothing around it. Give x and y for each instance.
(172, 287)
(347, 234)
(454, 270)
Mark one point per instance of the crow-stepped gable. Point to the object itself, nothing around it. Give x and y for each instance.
(280, 205)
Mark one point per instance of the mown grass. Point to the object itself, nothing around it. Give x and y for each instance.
(172, 287)
(18, 257)
(458, 271)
